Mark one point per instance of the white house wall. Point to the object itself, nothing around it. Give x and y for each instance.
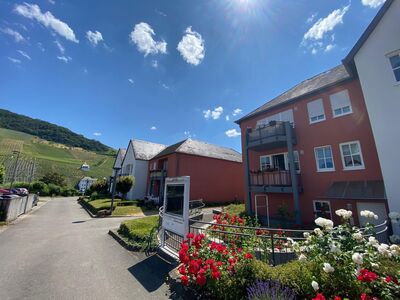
(139, 190)
(382, 97)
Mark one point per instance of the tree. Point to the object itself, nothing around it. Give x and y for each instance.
(54, 178)
(2, 173)
(100, 186)
(124, 184)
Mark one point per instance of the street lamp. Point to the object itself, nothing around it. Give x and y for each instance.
(114, 184)
(15, 167)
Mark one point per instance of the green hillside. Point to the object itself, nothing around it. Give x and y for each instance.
(50, 157)
(48, 131)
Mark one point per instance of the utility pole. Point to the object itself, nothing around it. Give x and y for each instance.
(114, 184)
(15, 167)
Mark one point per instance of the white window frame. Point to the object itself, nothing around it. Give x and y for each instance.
(322, 201)
(362, 167)
(323, 115)
(389, 56)
(270, 161)
(316, 159)
(334, 115)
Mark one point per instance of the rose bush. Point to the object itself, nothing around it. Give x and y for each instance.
(347, 261)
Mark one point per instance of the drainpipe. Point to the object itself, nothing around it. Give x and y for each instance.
(292, 169)
(249, 209)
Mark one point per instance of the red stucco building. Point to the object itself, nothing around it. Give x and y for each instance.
(310, 151)
(216, 173)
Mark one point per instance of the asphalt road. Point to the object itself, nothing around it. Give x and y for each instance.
(59, 252)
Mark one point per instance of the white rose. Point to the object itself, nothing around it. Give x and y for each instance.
(368, 214)
(357, 258)
(324, 223)
(328, 268)
(306, 234)
(358, 236)
(335, 249)
(383, 250)
(315, 285)
(345, 214)
(318, 231)
(373, 241)
(302, 258)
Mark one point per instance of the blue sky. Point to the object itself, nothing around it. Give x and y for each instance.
(164, 70)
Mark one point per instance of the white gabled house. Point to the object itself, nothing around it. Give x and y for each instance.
(85, 183)
(375, 59)
(136, 164)
(117, 166)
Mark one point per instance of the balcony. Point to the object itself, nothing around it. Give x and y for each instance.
(158, 174)
(273, 182)
(271, 136)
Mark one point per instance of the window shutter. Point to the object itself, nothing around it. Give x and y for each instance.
(340, 100)
(315, 108)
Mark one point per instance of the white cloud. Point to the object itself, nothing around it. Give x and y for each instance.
(14, 60)
(191, 47)
(15, 34)
(161, 13)
(189, 134)
(94, 37)
(373, 3)
(329, 47)
(154, 64)
(131, 80)
(327, 24)
(33, 12)
(24, 54)
(227, 118)
(314, 51)
(214, 114)
(142, 37)
(59, 46)
(232, 133)
(40, 46)
(312, 18)
(236, 112)
(167, 87)
(97, 133)
(65, 59)
(153, 128)
(51, 1)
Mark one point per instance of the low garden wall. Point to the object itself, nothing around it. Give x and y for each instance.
(13, 208)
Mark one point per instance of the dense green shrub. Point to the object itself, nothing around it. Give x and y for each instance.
(100, 187)
(2, 173)
(137, 232)
(40, 188)
(54, 189)
(124, 184)
(54, 178)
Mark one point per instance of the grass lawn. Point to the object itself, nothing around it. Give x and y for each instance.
(122, 208)
(137, 232)
(235, 209)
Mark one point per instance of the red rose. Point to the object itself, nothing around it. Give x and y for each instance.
(182, 270)
(201, 280)
(337, 298)
(216, 274)
(248, 255)
(319, 297)
(190, 235)
(389, 279)
(219, 263)
(193, 267)
(184, 280)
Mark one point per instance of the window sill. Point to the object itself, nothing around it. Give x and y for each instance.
(318, 121)
(342, 115)
(354, 168)
(326, 171)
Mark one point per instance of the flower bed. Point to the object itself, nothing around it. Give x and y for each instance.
(334, 263)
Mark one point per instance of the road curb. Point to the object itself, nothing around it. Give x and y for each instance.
(113, 233)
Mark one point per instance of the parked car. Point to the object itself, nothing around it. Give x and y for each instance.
(4, 192)
(22, 191)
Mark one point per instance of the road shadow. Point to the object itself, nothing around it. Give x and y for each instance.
(152, 272)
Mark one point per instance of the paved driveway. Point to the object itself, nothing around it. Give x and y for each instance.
(59, 252)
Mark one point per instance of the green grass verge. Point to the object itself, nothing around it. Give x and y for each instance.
(121, 208)
(140, 233)
(235, 209)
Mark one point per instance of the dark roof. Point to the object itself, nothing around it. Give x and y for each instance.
(309, 86)
(120, 154)
(362, 190)
(200, 148)
(349, 59)
(145, 150)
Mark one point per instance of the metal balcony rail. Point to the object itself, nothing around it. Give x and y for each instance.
(270, 130)
(158, 173)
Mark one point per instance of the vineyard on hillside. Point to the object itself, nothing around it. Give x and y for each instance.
(38, 157)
